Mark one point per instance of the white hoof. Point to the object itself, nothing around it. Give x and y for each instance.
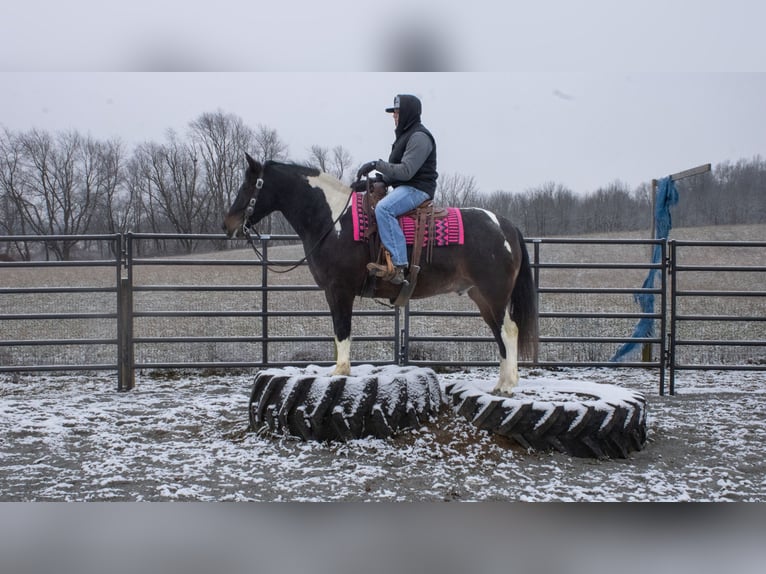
(509, 379)
(343, 361)
(342, 370)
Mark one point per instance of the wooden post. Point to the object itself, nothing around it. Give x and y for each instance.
(654, 210)
(646, 351)
(700, 169)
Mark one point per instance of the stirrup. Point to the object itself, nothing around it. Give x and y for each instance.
(398, 277)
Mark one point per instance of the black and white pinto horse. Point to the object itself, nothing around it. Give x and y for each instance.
(491, 266)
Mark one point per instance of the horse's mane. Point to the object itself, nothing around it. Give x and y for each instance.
(330, 184)
(296, 168)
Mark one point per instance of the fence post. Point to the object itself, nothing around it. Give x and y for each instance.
(265, 300)
(673, 311)
(536, 276)
(402, 335)
(126, 376)
(664, 315)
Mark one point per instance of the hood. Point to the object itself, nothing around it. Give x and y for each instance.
(409, 113)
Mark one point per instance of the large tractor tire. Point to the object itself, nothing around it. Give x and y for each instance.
(581, 419)
(373, 401)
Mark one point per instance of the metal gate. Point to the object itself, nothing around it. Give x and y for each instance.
(717, 312)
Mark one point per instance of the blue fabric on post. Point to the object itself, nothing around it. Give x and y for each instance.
(667, 196)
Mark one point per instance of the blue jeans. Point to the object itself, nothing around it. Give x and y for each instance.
(397, 202)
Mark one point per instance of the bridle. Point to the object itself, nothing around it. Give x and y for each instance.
(252, 235)
(246, 229)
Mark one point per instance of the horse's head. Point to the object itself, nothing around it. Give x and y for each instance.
(249, 206)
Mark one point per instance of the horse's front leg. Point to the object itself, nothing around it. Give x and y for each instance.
(342, 357)
(341, 307)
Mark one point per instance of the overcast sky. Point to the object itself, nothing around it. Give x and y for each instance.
(576, 93)
(510, 131)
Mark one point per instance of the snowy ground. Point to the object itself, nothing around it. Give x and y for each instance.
(75, 438)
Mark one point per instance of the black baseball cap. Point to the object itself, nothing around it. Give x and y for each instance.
(396, 106)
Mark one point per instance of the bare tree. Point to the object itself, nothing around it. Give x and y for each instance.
(136, 183)
(610, 208)
(319, 157)
(335, 161)
(498, 202)
(268, 145)
(221, 141)
(457, 190)
(341, 161)
(107, 178)
(171, 194)
(62, 184)
(11, 178)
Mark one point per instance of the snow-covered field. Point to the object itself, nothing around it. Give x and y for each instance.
(74, 438)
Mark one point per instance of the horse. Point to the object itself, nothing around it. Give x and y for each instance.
(491, 266)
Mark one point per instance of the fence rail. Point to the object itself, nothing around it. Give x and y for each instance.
(114, 307)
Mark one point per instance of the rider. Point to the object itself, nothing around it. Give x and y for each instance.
(411, 170)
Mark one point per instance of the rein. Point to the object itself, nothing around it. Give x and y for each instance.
(249, 232)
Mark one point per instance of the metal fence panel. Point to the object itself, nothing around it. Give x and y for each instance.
(717, 312)
(60, 315)
(116, 305)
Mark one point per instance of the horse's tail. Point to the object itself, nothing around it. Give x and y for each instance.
(523, 305)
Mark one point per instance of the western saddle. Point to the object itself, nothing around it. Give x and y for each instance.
(380, 264)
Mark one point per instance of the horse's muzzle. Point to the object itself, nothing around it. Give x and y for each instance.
(232, 228)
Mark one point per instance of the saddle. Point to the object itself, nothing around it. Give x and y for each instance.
(380, 264)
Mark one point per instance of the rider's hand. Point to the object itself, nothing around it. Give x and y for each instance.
(366, 168)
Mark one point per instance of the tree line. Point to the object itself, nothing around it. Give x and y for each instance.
(731, 194)
(68, 183)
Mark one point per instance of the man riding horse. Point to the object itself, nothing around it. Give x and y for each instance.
(485, 257)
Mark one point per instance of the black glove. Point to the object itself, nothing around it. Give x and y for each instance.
(366, 168)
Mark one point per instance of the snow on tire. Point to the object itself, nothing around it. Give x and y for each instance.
(314, 405)
(578, 418)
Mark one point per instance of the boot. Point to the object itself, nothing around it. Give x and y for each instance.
(399, 278)
(378, 270)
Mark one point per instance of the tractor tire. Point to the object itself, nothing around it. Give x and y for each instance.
(577, 418)
(372, 402)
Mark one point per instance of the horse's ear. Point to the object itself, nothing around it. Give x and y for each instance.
(254, 165)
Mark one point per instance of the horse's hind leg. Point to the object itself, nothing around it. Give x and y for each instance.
(509, 366)
(506, 334)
